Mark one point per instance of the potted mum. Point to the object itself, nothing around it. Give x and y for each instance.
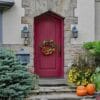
(81, 70)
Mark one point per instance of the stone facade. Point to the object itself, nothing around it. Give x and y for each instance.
(72, 10)
(64, 8)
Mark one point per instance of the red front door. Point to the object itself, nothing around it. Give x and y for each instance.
(47, 27)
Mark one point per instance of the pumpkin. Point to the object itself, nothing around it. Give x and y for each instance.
(90, 89)
(81, 91)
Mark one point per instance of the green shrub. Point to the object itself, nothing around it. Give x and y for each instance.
(96, 78)
(93, 48)
(88, 45)
(16, 81)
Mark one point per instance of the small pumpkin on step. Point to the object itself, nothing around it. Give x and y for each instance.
(90, 89)
(81, 91)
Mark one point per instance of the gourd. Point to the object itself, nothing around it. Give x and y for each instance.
(90, 89)
(81, 91)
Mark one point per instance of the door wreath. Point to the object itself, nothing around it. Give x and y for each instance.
(48, 47)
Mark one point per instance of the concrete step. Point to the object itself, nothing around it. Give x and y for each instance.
(61, 92)
(52, 82)
(52, 89)
(60, 96)
(64, 96)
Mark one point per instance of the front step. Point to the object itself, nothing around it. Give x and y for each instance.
(64, 96)
(52, 90)
(56, 93)
(52, 82)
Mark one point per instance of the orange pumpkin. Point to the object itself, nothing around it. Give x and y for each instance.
(81, 91)
(90, 89)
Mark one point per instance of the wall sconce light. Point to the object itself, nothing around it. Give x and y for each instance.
(74, 31)
(25, 35)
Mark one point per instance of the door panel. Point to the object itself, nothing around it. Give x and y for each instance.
(48, 27)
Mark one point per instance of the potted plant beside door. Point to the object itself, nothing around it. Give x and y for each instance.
(81, 70)
(93, 48)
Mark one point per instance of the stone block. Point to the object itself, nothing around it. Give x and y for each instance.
(25, 3)
(40, 4)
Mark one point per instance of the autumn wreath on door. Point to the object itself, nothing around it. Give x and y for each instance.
(48, 47)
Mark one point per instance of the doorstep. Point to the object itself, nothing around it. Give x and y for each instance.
(54, 82)
(56, 93)
(52, 90)
(64, 96)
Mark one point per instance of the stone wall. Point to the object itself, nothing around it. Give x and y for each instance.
(64, 8)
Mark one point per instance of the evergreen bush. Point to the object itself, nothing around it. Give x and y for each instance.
(16, 81)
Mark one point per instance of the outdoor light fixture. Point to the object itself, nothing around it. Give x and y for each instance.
(25, 35)
(74, 32)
